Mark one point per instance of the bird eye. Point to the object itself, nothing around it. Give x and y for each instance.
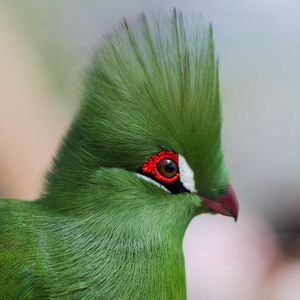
(162, 167)
(167, 168)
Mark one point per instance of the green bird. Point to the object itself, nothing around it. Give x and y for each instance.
(141, 159)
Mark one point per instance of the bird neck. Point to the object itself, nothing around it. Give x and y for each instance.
(143, 261)
(120, 258)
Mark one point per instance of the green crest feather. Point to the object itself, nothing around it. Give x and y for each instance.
(151, 85)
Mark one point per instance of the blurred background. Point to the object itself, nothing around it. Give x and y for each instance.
(44, 49)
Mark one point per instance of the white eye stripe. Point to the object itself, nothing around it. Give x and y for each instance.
(152, 181)
(186, 174)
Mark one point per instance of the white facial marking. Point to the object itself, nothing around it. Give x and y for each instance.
(152, 181)
(186, 174)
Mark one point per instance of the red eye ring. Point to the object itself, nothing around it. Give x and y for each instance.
(150, 166)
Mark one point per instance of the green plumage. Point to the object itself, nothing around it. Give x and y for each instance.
(99, 231)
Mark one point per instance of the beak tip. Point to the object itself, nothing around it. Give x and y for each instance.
(226, 204)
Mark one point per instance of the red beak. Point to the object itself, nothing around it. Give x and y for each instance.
(226, 204)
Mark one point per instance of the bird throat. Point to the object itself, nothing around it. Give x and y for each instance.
(120, 264)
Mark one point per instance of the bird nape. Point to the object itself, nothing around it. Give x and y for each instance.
(142, 158)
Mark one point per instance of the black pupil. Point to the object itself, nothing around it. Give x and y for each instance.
(170, 166)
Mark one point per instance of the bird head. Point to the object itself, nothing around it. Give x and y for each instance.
(147, 138)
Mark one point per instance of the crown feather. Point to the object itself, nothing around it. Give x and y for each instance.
(152, 82)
